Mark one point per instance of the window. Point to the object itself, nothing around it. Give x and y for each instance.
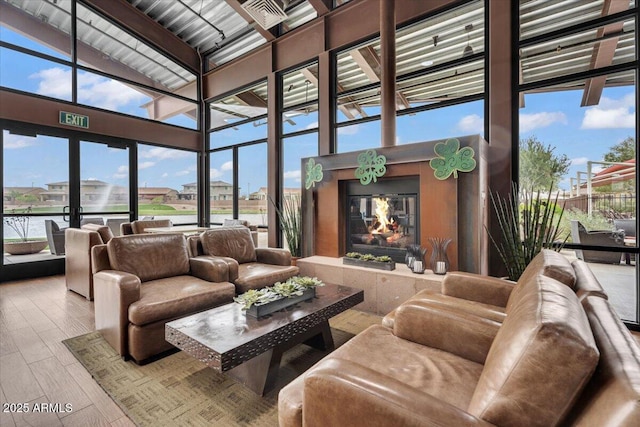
(578, 134)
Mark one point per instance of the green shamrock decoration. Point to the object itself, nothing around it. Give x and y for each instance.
(452, 159)
(314, 174)
(371, 166)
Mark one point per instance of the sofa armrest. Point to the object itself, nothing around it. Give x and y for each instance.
(342, 393)
(114, 291)
(209, 268)
(446, 328)
(232, 266)
(274, 256)
(476, 287)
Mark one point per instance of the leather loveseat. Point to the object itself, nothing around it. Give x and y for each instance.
(249, 267)
(142, 281)
(558, 356)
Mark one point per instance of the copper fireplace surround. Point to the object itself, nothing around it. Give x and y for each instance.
(451, 208)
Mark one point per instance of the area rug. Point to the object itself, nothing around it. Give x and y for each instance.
(178, 390)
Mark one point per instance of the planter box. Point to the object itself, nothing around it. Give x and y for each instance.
(24, 248)
(389, 266)
(264, 309)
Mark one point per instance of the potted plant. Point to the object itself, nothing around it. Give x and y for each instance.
(260, 302)
(369, 260)
(528, 224)
(290, 219)
(20, 224)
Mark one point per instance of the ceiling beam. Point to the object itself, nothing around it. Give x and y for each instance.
(322, 7)
(369, 62)
(148, 30)
(603, 53)
(251, 99)
(237, 6)
(349, 112)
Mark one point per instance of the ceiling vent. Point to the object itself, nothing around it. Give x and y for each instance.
(266, 13)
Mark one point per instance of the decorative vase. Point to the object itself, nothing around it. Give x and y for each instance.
(439, 260)
(24, 248)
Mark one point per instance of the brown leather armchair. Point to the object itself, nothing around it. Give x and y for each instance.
(78, 244)
(139, 226)
(249, 267)
(142, 281)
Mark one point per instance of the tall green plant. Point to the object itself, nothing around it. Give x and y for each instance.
(527, 226)
(290, 218)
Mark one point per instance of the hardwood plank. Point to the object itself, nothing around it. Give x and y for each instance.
(30, 344)
(37, 319)
(7, 345)
(53, 340)
(89, 416)
(57, 385)
(37, 415)
(5, 417)
(100, 399)
(18, 382)
(123, 422)
(12, 318)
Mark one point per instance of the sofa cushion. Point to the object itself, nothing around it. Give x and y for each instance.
(139, 227)
(541, 358)
(253, 275)
(587, 284)
(150, 256)
(612, 397)
(232, 242)
(177, 296)
(105, 232)
(549, 263)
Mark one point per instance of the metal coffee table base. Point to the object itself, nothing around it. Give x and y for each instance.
(260, 373)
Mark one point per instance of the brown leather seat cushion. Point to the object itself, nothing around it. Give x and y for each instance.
(232, 242)
(253, 275)
(176, 296)
(105, 232)
(540, 360)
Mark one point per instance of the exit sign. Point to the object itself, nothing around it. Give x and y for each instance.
(73, 119)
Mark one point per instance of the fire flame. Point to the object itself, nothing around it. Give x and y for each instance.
(382, 213)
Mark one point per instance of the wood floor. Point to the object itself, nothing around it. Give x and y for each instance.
(35, 367)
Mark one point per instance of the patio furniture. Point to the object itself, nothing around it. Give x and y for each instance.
(114, 225)
(580, 235)
(98, 221)
(55, 236)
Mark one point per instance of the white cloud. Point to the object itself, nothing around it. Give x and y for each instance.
(161, 153)
(611, 118)
(227, 166)
(349, 130)
(529, 122)
(215, 173)
(122, 172)
(295, 175)
(579, 161)
(164, 175)
(472, 123)
(94, 90)
(146, 165)
(14, 142)
(183, 172)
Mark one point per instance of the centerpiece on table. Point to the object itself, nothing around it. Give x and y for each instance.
(369, 260)
(260, 302)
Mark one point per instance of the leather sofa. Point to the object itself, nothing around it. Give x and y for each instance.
(142, 281)
(558, 356)
(78, 243)
(249, 267)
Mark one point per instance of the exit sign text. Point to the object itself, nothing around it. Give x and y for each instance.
(73, 119)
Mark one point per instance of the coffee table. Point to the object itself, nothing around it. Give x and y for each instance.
(249, 349)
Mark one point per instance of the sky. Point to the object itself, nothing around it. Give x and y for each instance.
(555, 118)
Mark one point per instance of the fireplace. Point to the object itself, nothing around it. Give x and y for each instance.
(383, 217)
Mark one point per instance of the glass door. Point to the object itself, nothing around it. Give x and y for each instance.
(104, 185)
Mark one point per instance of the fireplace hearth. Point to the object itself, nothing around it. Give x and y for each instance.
(383, 217)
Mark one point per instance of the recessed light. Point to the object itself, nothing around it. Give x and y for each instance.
(426, 63)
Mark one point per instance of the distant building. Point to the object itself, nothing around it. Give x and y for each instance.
(261, 194)
(218, 190)
(165, 194)
(91, 190)
(13, 194)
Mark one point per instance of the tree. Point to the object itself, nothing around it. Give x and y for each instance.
(540, 168)
(623, 151)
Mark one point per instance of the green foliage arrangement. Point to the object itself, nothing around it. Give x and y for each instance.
(368, 257)
(292, 287)
(290, 219)
(527, 226)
